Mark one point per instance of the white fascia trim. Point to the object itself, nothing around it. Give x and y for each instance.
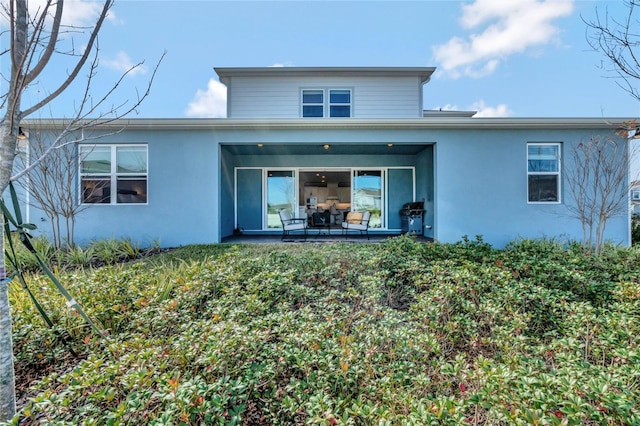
(226, 74)
(353, 123)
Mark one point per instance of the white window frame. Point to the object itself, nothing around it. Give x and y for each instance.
(322, 104)
(557, 173)
(297, 170)
(113, 175)
(635, 195)
(326, 101)
(265, 193)
(330, 104)
(383, 192)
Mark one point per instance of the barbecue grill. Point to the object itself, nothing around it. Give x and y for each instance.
(412, 218)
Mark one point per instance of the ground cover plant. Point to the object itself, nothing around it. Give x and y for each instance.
(361, 334)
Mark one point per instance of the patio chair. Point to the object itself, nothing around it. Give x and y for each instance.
(292, 224)
(357, 221)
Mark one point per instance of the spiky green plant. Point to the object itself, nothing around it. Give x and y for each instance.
(78, 257)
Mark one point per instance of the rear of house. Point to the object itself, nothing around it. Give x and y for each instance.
(337, 139)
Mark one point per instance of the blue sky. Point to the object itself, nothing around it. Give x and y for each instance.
(507, 58)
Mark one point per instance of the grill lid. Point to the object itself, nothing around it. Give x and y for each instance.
(414, 207)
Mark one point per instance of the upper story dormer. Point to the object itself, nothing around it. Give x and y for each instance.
(324, 93)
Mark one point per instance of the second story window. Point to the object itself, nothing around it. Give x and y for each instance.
(313, 103)
(329, 103)
(339, 103)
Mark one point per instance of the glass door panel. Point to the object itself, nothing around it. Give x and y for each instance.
(367, 195)
(400, 190)
(281, 195)
(249, 196)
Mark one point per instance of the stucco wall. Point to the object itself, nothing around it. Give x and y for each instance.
(182, 194)
(474, 182)
(482, 189)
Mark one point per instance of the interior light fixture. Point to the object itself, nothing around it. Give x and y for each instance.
(260, 145)
(326, 146)
(389, 145)
(21, 134)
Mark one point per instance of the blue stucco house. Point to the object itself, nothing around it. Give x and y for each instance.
(348, 138)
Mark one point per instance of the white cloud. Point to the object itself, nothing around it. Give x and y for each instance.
(281, 64)
(484, 110)
(503, 28)
(447, 107)
(76, 12)
(210, 103)
(123, 63)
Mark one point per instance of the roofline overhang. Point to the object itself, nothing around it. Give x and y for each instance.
(444, 123)
(225, 73)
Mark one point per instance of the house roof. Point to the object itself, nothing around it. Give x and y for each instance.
(424, 73)
(447, 113)
(429, 122)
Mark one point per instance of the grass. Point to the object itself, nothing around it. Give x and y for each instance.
(392, 333)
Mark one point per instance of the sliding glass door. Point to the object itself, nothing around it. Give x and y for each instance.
(368, 195)
(281, 195)
(261, 193)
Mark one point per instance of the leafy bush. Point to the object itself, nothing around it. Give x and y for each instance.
(393, 333)
(98, 253)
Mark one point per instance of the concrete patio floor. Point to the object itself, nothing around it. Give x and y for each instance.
(313, 237)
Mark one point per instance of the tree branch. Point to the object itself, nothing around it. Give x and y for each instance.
(71, 77)
(617, 41)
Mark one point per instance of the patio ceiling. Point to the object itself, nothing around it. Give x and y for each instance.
(318, 149)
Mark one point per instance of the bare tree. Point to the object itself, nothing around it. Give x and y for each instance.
(51, 185)
(597, 177)
(34, 38)
(618, 39)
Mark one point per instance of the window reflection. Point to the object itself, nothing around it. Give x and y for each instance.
(280, 196)
(367, 194)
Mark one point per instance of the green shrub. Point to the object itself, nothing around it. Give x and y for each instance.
(107, 250)
(393, 333)
(77, 256)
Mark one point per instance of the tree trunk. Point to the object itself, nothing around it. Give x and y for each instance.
(7, 377)
(8, 139)
(30, 53)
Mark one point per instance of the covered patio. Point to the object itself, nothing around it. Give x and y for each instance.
(333, 175)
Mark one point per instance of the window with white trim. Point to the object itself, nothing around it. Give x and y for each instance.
(543, 172)
(313, 103)
(113, 174)
(339, 103)
(316, 104)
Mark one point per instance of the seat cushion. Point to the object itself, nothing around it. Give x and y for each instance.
(354, 217)
(294, 226)
(356, 226)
